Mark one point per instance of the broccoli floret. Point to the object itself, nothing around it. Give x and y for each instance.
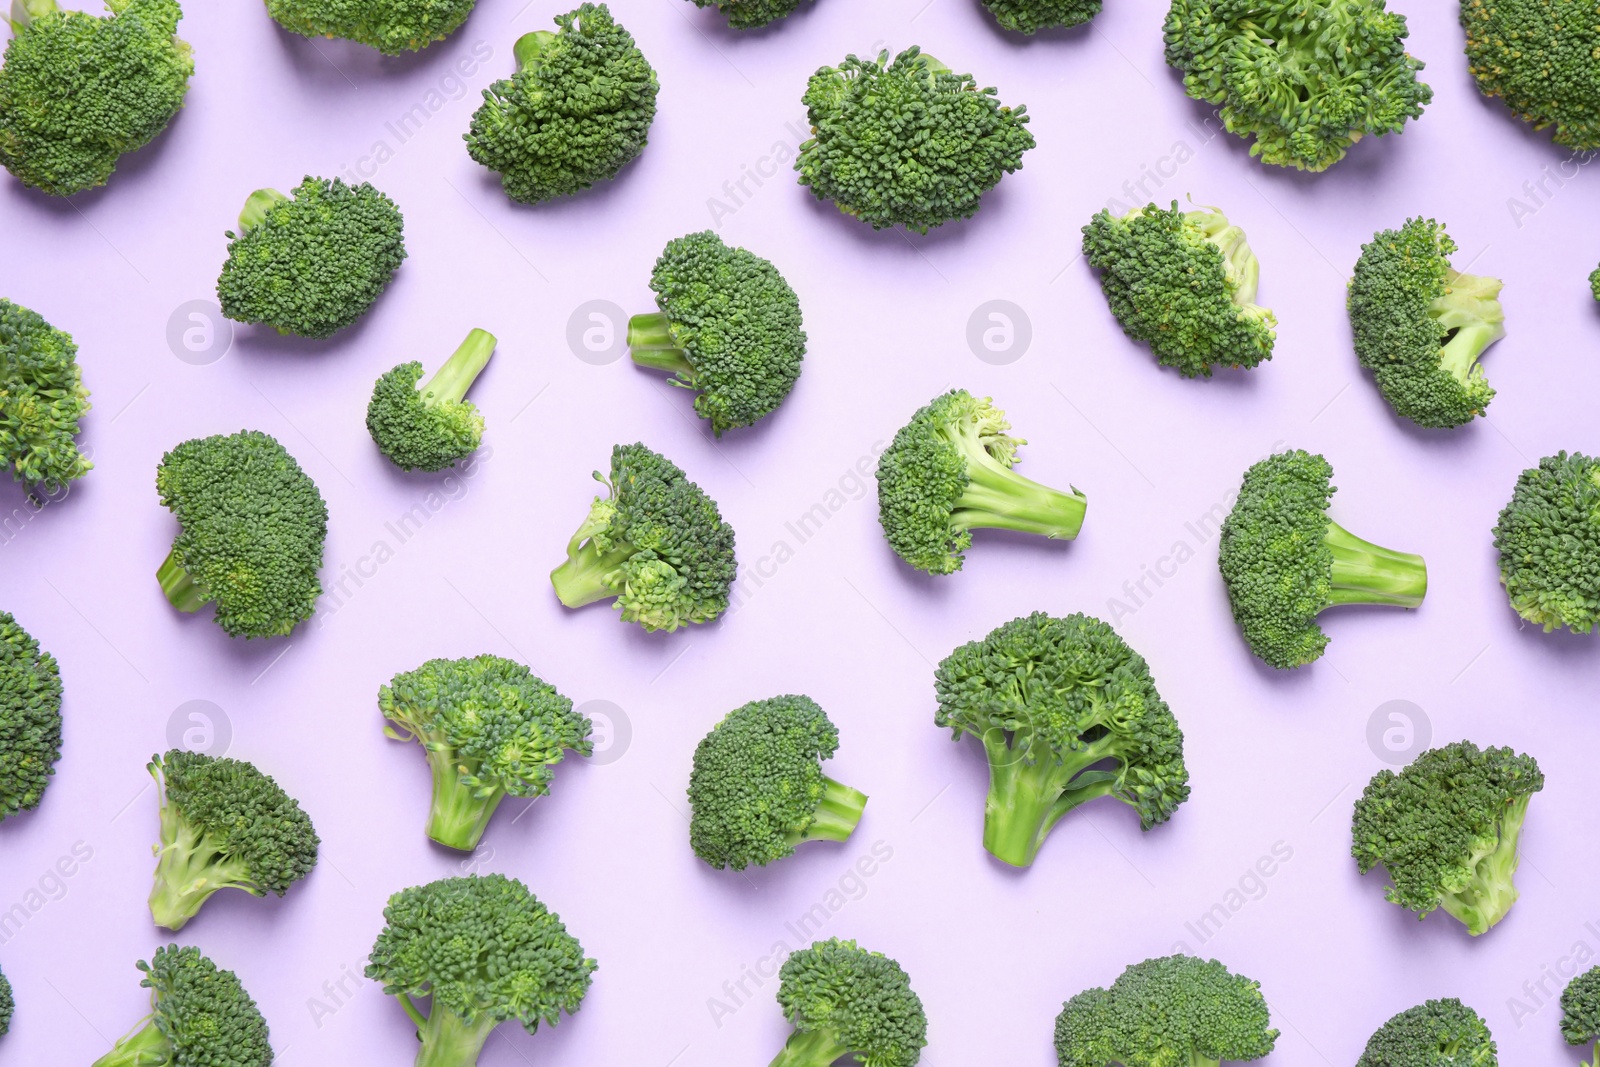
(1066, 712)
(1580, 1013)
(1539, 57)
(1285, 561)
(845, 1001)
(430, 427)
(576, 112)
(42, 400)
(1594, 283)
(1446, 828)
(390, 26)
(314, 264)
(1548, 538)
(199, 1014)
(1307, 81)
(224, 825)
(1031, 16)
(30, 718)
(78, 91)
(757, 789)
(1185, 284)
(1437, 1033)
(907, 142)
(655, 542)
(7, 1005)
(751, 14)
(728, 327)
(486, 951)
(253, 527)
(1420, 326)
(948, 472)
(1165, 1012)
(491, 729)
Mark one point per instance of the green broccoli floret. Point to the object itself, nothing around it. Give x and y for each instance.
(1285, 561)
(576, 112)
(948, 472)
(430, 427)
(1420, 326)
(1548, 538)
(1594, 283)
(1307, 81)
(253, 527)
(1539, 57)
(757, 789)
(1165, 1012)
(845, 1001)
(1438, 1033)
(7, 1005)
(1066, 712)
(751, 14)
(42, 400)
(486, 951)
(907, 142)
(224, 825)
(1580, 1013)
(1446, 828)
(1031, 16)
(78, 91)
(728, 327)
(199, 1015)
(30, 718)
(491, 729)
(1185, 284)
(390, 26)
(314, 264)
(655, 542)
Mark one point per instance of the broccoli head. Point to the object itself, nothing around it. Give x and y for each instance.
(1066, 712)
(199, 1014)
(948, 472)
(1285, 561)
(655, 543)
(845, 1001)
(77, 91)
(1307, 81)
(1420, 326)
(1539, 57)
(253, 526)
(907, 142)
(1165, 1012)
(757, 789)
(1437, 1033)
(313, 264)
(491, 729)
(224, 825)
(1594, 283)
(1185, 284)
(30, 718)
(1580, 1013)
(728, 328)
(42, 399)
(751, 14)
(390, 26)
(7, 1005)
(1031, 16)
(486, 951)
(1548, 538)
(576, 112)
(1446, 828)
(430, 427)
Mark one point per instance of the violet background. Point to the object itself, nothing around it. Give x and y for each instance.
(1276, 759)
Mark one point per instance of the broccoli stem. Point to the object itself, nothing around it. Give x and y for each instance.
(1026, 799)
(181, 589)
(24, 12)
(256, 207)
(1365, 573)
(448, 1040)
(451, 382)
(1485, 900)
(998, 498)
(188, 871)
(837, 815)
(652, 344)
(144, 1045)
(582, 578)
(810, 1048)
(530, 47)
(459, 814)
(1469, 312)
(1239, 263)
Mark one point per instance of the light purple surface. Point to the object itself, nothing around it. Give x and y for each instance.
(1276, 759)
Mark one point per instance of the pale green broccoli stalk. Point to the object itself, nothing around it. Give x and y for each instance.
(845, 1001)
(1307, 81)
(1580, 1013)
(1548, 538)
(491, 729)
(1432, 1034)
(42, 401)
(1185, 284)
(432, 426)
(77, 91)
(751, 14)
(577, 110)
(390, 26)
(1539, 57)
(907, 142)
(1031, 16)
(199, 1014)
(30, 718)
(1447, 829)
(728, 327)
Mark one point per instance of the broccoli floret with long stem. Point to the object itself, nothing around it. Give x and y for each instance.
(430, 426)
(42, 400)
(486, 951)
(1066, 713)
(199, 1014)
(491, 729)
(757, 789)
(1548, 538)
(1580, 1013)
(1539, 57)
(752, 14)
(1432, 1034)
(30, 718)
(948, 472)
(1031, 16)
(728, 327)
(390, 26)
(224, 825)
(843, 1000)
(7, 1005)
